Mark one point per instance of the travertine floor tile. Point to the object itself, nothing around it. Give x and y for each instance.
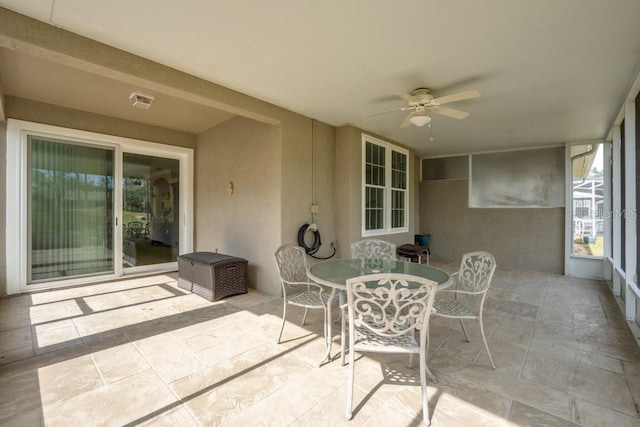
(119, 362)
(281, 408)
(176, 417)
(513, 330)
(143, 351)
(19, 394)
(592, 415)
(56, 311)
(15, 354)
(14, 321)
(524, 415)
(551, 368)
(331, 411)
(23, 419)
(55, 335)
(14, 304)
(133, 400)
(475, 396)
(67, 379)
(603, 387)
(632, 375)
(16, 338)
(170, 359)
(453, 411)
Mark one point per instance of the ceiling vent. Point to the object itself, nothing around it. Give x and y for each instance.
(142, 100)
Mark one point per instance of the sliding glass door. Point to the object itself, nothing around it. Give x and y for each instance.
(70, 210)
(89, 207)
(71, 201)
(150, 210)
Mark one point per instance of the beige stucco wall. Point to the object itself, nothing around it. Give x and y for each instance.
(39, 112)
(296, 178)
(273, 189)
(349, 191)
(520, 239)
(247, 223)
(301, 142)
(324, 162)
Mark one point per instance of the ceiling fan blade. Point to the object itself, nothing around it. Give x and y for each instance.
(456, 114)
(406, 121)
(390, 111)
(407, 97)
(467, 94)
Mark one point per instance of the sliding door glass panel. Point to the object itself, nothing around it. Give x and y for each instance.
(588, 199)
(70, 207)
(150, 190)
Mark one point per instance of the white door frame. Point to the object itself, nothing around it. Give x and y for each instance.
(16, 203)
(579, 265)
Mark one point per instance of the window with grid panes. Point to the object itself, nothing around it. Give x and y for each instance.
(385, 185)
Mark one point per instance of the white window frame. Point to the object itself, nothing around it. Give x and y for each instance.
(389, 148)
(16, 204)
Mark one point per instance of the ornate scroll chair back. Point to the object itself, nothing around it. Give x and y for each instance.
(473, 281)
(297, 289)
(385, 312)
(476, 272)
(374, 253)
(134, 229)
(373, 249)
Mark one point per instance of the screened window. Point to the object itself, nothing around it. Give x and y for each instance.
(385, 185)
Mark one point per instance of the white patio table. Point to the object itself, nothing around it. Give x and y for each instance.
(335, 273)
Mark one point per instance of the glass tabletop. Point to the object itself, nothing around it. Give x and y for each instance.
(335, 273)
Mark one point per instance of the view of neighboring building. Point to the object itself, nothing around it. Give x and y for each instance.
(588, 211)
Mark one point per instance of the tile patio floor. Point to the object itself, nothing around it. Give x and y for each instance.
(143, 352)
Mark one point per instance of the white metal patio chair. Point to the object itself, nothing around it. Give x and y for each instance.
(297, 289)
(373, 249)
(472, 280)
(385, 312)
(373, 252)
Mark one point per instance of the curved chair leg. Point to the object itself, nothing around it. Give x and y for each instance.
(426, 358)
(304, 318)
(343, 344)
(284, 317)
(486, 346)
(466, 336)
(352, 361)
(423, 386)
(325, 323)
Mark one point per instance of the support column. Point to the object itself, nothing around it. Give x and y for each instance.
(616, 213)
(631, 289)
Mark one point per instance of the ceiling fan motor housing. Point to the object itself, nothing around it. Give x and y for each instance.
(423, 95)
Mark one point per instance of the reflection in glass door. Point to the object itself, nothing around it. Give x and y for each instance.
(70, 210)
(150, 211)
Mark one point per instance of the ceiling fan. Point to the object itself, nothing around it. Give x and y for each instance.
(422, 104)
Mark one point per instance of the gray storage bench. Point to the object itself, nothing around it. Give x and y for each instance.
(211, 275)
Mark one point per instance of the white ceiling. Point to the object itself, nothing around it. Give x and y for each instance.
(549, 71)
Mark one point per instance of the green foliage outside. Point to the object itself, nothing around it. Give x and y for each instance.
(589, 249)
(136, 203)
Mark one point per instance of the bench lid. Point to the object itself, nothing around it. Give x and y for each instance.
(209, 257)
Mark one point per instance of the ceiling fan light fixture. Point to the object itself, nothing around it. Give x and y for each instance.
(420, 120)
